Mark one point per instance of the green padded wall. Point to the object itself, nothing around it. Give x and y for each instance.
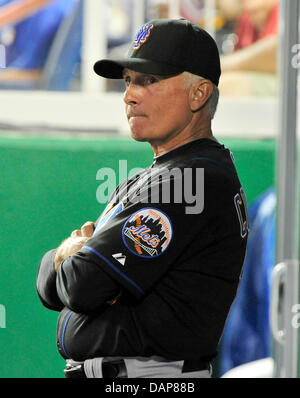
(47, 189)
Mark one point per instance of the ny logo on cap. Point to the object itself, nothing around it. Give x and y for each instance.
(142, 36)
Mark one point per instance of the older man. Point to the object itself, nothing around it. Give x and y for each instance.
(145, 291)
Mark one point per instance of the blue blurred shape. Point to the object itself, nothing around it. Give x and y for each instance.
(247, 334)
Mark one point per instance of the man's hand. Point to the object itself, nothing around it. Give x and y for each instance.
(74, 243)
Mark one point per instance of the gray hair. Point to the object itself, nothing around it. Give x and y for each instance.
(212, 103)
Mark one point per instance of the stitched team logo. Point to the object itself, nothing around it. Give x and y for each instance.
(142, 36)
(147, 233)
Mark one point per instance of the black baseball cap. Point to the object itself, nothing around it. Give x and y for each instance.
(167, 47)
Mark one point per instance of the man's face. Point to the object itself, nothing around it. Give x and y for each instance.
(157, 108)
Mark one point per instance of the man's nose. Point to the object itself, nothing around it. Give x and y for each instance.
(132, 94)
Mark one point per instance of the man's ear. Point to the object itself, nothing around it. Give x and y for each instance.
(199, 94)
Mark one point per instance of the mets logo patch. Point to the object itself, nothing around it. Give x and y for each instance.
(147, 233)
(142, 36)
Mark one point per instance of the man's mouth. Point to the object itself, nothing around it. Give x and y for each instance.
(135, 115)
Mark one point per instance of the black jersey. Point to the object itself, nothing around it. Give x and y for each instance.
(162, 269)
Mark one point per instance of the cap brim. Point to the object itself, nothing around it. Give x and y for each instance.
(113, 69)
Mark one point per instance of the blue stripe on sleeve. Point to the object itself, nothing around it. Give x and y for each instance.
(114, 268)
(63, 334)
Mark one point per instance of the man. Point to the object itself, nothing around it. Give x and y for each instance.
(145, 291)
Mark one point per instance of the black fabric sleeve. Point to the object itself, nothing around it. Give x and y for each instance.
(134, 247)
(83, 286)
(177, 295)
(112, 261)
(46, 282)
(165, 323)
(82, 336)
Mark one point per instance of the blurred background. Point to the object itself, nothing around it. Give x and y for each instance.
(60, 123)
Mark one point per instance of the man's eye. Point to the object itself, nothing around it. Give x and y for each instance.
(150, 80)
(127, 81)
(143, 81)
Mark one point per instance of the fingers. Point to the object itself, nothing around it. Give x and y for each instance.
(87, 229)
(69, 247)
(76, 233)
(77, 244)
(74, 243)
